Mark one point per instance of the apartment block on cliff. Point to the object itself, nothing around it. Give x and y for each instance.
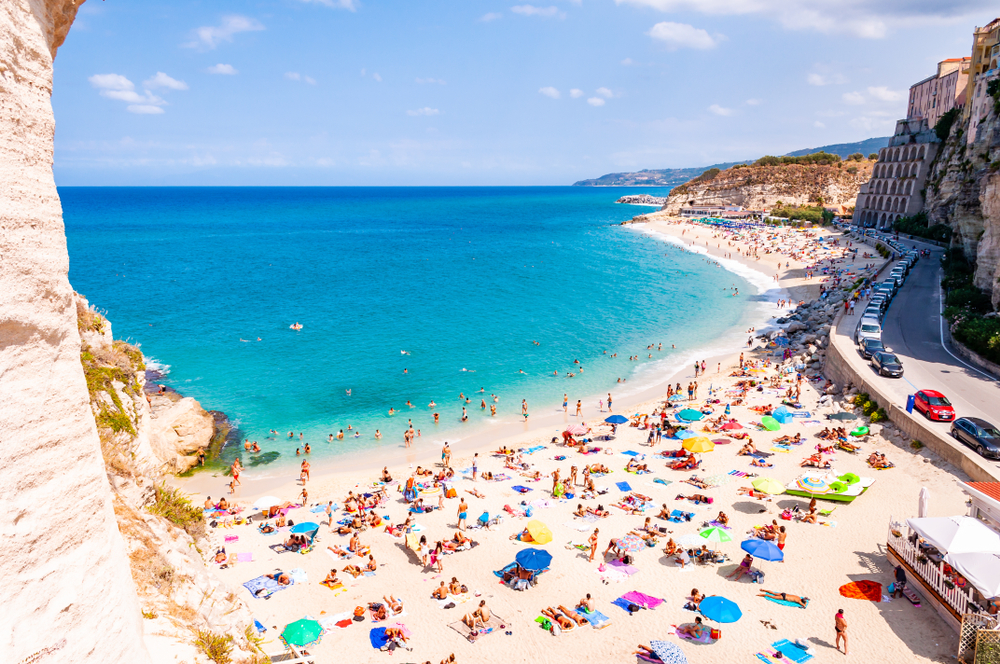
(936, 95)
(898, 177)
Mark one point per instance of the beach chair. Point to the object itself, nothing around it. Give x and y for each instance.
(291, 655)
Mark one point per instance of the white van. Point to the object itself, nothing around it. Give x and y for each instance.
(869, 328)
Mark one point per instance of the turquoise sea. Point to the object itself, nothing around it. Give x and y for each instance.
(464, 280)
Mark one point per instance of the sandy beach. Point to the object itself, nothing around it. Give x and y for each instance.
(845, 546)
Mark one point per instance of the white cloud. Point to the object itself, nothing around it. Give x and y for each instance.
(627, 61)
(720, 110)
(863, 18)
(161, 80)
(550, 92)
(351, 5)
(883, 93)
(210, 36)
(296, 76)
(222, 69)
(377, 77)
(576, 93)
(681, 35)
(492, 16)
(531, 10)
(854, 98)
(144, 109)
(819, 125)
(426, 110)
(825, 79)
(753, 102)
(116, 86)
(604, 92)
(595, 101)
(431, 81)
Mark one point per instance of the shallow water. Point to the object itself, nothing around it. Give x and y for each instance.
(464, 280)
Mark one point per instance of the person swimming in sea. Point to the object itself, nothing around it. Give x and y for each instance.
(392, 411)
(432, 404)
(296, 326)
(410, 405)
(340, 435)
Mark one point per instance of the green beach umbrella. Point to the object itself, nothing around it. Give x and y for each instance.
(715, 535)
(302, 632)
(769, 423)
(767, 485)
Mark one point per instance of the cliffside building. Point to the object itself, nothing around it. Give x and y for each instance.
(936, 95)
(981, 102)
(985, 56)
(899, 176)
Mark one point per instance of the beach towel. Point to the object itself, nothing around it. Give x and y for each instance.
(520, 489)
(625, 605)
(596, 619)
(791, 651)
(270, 586)
(495, 624)
(579, 526)
(870, 590)
(532, 450)
(329, 622)
(719, 524)
(706, 636)
(232, 538)
(663, 482)
(623, 486)
(721, 479)
(632, 453)
(611, 574)
(642, 599)
(244, 557)
(377, 638)
(785, 602)
(622, 567)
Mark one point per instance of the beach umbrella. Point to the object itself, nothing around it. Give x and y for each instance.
(715, 534)
(758, 371)
(813, 484)
(762, 549)
(302, 632)
(685, 433)
(631, 543)
(578, 429)
(843, 415)
(783, 416)
(767, 485)
(689, 414)
(769, 423)
(430, 491)
(727, 409)
(669, 653)
(690, 541)
(720, 609)
(731, 425)
(266, 503)
(533, 559)
(698, 444)
(617, 419)
(539, 532)
(305, 527)
(923, 502)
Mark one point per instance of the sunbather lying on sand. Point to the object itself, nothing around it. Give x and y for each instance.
(599, 468)
(801, 601)
(789, 439)
(760, 463)
(635, 467)
(696, 497)
(340, 552)
(282, 578)
(815, 461)
(563, 622)
(395, 605)
(573, 615)
(600, 511)
(354, 570)
(748, 449)
(694, 480)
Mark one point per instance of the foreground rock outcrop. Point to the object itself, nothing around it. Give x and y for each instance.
(67, 589)
(762, 187)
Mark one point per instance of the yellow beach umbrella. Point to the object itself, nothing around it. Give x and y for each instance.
(698, 444)
(767, 485)
(540, 533)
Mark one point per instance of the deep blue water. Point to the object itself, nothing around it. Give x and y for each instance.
(463, 279)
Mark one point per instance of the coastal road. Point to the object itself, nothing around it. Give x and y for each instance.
(912, 329)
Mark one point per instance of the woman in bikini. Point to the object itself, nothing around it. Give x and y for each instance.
(563, 622)
(785, 597)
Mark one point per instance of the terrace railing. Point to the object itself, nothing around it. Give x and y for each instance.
(930, 571)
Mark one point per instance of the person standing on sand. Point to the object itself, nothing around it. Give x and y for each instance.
(565, 403)
(463, 509)
(304, 472)
(579, 407)
(840, 624)
(329, 514)
(445, 455)
(475, 466)
(781, 539)
(524, 408)
(696, 367)
(609, 402)
(593, 544)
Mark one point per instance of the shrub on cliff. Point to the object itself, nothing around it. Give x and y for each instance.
(816, 158)
(176, 508)
(944, 123)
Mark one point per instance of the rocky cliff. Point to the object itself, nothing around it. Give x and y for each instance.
(963, 191)
(761, 187)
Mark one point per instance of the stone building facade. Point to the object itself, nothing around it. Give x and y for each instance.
(899, 176)
(936, 95)
(981, 102)
(985, 57)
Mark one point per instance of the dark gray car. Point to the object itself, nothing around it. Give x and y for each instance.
(871, 346)
(887, 364)
(978, 434)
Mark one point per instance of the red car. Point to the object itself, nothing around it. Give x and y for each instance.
(934, 405)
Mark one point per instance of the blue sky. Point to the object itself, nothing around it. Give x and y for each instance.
(411, 92)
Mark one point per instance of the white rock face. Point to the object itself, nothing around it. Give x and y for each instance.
(66, 589)
(177, 429)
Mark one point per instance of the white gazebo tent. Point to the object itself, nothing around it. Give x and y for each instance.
(956, 534)
(981, 569)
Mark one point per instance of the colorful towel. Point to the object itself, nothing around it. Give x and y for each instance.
(623, 604)
(520, 489)
(663, 482)
(270, 586)
(378, 638)
(642, 599)
(706, 636)
(632, 453)
(721, 479)
(596, 619)
(791, 651)
(622, 567)
(244, 557)
(870, 590)
(623, 486)
(785, 602)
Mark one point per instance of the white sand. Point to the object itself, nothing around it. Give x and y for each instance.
(820, 558)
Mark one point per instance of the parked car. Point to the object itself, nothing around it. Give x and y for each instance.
(934, 405)
(887, 364)
(870, 328)
(871, 346)
(978, 434)
(873, 311)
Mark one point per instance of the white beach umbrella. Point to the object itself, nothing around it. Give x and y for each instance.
(923, 503)
(266, 503)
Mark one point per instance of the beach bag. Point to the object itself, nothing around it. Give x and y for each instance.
(715, 634)
(528, 511)
(451, 493)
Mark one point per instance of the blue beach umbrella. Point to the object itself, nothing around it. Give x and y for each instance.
(762, 549)
(305, 527)
(720, 609)
(685, 433)
(533, 559)
(690, 414)
(669, 653)
(782, 415)
(617, 419)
